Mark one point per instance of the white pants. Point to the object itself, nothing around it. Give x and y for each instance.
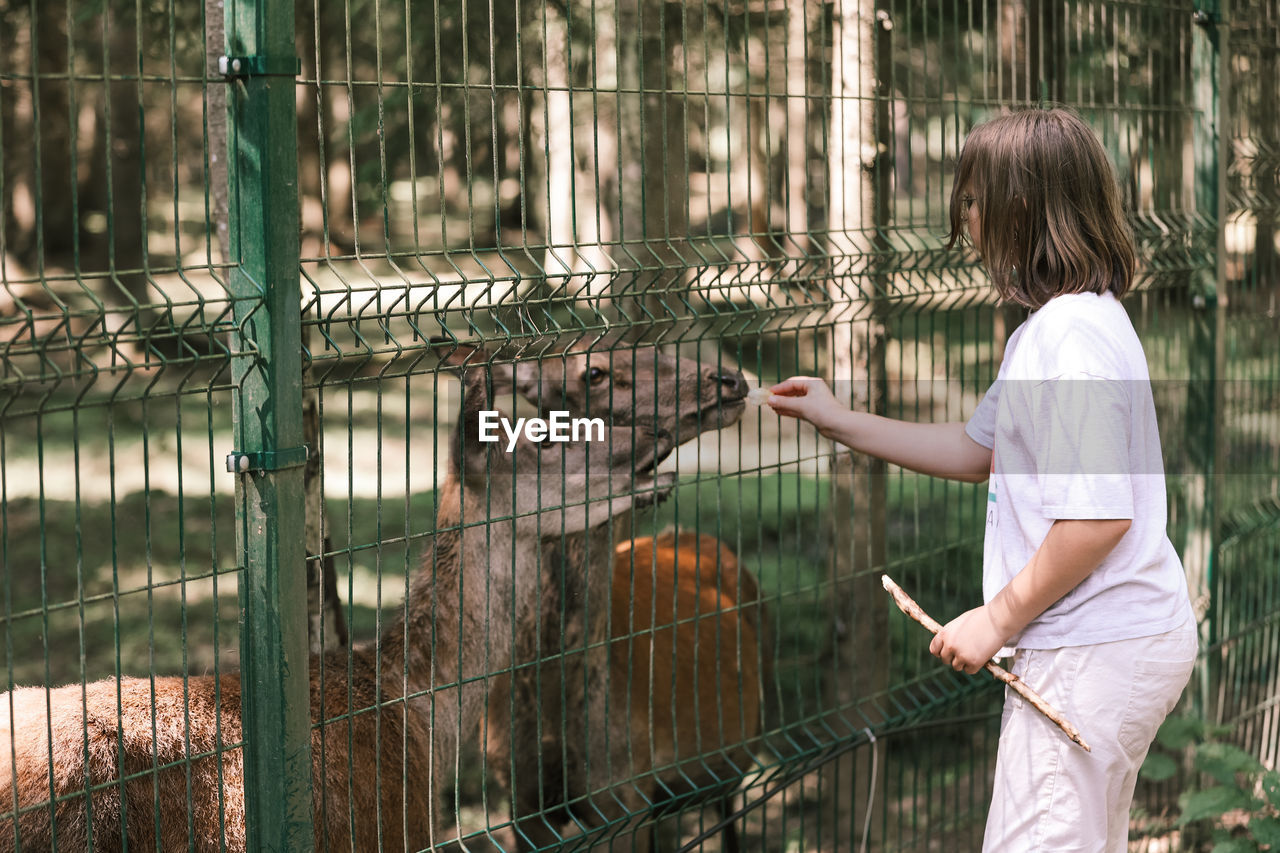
(1049, 794)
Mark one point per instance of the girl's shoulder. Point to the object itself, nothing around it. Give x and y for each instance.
(1095, 309)
(1081, 333)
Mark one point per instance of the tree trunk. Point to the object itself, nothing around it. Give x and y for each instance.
(554, 133)
(216, 115)
(1264, 247)
(326, 624)
(653, 222)
(1013, 72)
(55, 140)
(334, 106)
(114, 187)
(310, 163)
(1045, 68)
(802, 24)
(572, 148)
(13, 236)
(860, 166)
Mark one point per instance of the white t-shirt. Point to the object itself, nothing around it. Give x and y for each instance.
(1071, 423)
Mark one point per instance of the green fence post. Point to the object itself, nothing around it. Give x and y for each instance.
(1204, 397)
(261, 66)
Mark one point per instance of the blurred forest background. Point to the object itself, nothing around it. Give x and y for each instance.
(759, 182)
(567, 143)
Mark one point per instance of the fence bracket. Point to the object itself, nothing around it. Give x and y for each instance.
(269, 460)
(259, 66)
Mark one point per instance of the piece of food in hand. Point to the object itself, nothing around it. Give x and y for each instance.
(757, 396)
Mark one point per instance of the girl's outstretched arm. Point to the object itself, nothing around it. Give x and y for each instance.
(940, 450)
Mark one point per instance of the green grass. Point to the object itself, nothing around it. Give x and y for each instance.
(143, 584)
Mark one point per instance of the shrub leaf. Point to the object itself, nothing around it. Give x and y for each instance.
(1271, 787)
(1223, 761)
(1266, 830)
(1158, 767)
(1178, 732)
(1210, 803)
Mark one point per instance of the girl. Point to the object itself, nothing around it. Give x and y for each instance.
(1081, 584)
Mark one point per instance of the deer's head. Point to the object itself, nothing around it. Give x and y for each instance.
(625, 383)
(555, 482)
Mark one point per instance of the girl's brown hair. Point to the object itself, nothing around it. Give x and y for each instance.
(1050, 211)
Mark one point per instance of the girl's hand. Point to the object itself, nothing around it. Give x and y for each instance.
(807, 398)
(967, 642)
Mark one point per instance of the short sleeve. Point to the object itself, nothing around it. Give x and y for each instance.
(1080, 439)
(981, 426)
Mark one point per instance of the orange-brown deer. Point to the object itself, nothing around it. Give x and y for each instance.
(687, 660)
(625, 384)
(156, 764)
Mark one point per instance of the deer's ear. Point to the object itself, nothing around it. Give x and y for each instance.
(459, 355)
(527, 378)
(468, 455)
(485, 386)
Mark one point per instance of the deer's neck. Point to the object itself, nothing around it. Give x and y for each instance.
(476, 589)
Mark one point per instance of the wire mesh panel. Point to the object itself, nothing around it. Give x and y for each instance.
(116, 522)
(1245, 650)
(626, 214)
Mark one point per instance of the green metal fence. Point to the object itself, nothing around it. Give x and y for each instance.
(233, 239)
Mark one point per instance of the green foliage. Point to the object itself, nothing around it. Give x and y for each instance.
(1229, 810)
(1235, 845)
(1159, 767)
(1266, 831)
(1226, 762)
(1271, 788)
(1180, 732)
(1212, 803)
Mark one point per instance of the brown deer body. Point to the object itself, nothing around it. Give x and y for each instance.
(639, 386)
(387, 716)
(687, 660)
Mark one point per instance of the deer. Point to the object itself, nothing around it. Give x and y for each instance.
(157, 763)
(637, 385)
(688, 660)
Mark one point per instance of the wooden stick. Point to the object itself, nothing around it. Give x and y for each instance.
(908, 606)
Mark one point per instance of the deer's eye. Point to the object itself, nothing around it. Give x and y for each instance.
(594, 375)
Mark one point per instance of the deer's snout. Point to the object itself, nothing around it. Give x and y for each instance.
(729, 384)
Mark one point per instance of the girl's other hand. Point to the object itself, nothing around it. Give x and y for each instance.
(967, 642)
(808, 398)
